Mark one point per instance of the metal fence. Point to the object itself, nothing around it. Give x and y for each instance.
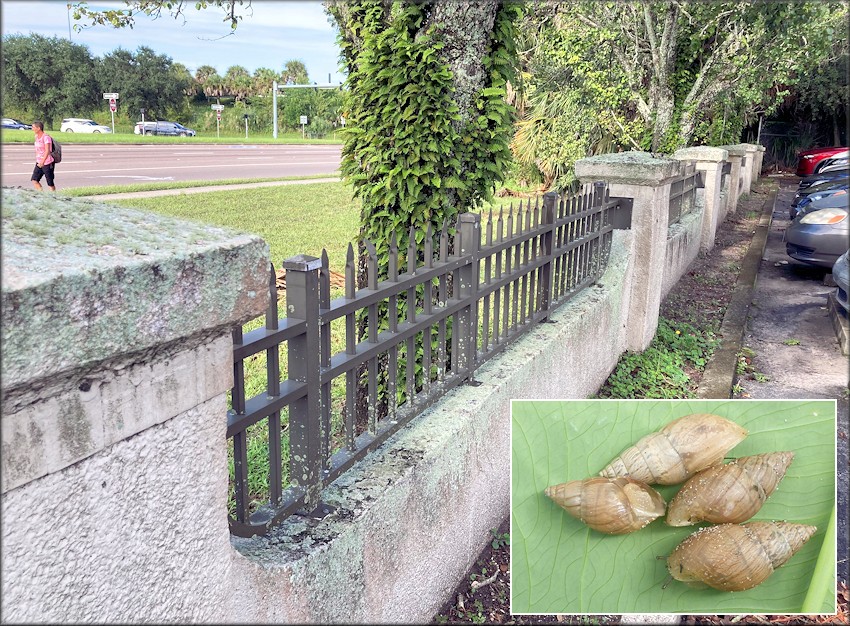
(467, 306)
(683, 192)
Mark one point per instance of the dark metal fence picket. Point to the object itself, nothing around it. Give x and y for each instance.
(469, 305)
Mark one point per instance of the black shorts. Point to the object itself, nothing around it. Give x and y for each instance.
(46, 171)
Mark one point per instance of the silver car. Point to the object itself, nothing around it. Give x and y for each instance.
(819, 233)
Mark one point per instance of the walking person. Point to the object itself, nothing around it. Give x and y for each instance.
(43, 159)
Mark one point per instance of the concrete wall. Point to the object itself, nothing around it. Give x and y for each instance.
(114, 479)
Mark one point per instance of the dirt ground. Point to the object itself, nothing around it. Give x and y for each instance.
(700, 298)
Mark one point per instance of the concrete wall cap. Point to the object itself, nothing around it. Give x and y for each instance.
(738, 149)
(86, 282)
(701, 153)
(638, 168)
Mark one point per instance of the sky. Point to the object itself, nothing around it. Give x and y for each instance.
(278, 31)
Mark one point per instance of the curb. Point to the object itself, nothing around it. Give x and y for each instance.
(719, 375)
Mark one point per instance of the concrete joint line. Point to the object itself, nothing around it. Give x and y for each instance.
(720, 372)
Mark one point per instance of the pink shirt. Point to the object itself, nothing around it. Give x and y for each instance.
(41, 148)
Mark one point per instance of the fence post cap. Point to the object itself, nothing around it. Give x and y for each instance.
(701, 153)
(469, 217)
(302, 263)
(636, 168)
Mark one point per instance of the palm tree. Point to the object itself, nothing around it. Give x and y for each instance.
(263, 80)
(294, 73)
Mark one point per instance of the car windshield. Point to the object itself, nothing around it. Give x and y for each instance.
(90, 122)
(179, 125)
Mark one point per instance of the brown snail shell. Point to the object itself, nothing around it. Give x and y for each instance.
(678, 451)
(730, 493)
(735, 557)
(615, 506)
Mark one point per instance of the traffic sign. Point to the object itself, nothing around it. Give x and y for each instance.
(217, 107)
(303, 119)
(112, 106)
(110, 96)
(218, 115)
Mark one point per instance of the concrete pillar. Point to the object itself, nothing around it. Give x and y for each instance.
(751, 173)
(738, 158)
(710, 162)
(759, 162)
(646, 180)
(116, 359)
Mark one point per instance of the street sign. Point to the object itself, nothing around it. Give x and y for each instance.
(112, 106)
(218, 115)
(110, 96)
(217, 107)
(303, 119)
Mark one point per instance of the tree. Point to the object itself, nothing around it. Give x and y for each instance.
(294, 73)
(822, 90)
(263, 80)
(427, 125)
(660, 75)
(49, 86)
(237, 82)
(145, 80)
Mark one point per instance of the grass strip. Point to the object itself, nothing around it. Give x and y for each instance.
(185, 184)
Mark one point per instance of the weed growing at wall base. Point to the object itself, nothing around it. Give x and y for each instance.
(661, 371)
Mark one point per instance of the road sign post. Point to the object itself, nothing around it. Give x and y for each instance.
(246, 125)
(303, 124)
(218, 108)
(112, 97)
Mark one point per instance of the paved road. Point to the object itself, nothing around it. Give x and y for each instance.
(790, 302)
(100, 164)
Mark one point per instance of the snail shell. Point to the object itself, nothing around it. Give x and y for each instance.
(735, 557)
(730, 493)
(615, 506)
(678, 451)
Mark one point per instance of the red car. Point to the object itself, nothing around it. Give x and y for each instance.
(810, 158)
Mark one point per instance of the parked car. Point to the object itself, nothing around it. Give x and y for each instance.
(804, 197)
(818, 235)
(823, 177)
(810, 158)
(163, 128)
(839, 159)
(82, 125)
(13, 124)
(841, 276)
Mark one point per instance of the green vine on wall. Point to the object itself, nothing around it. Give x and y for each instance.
(412, 156)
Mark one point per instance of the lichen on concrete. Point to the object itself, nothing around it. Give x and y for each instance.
(83, 282)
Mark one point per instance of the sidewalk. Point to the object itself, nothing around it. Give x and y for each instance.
(780, 312)
(190, 190)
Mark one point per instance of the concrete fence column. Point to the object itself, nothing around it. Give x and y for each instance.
(738, 157)
(759, 161)
(116, 359)
(709, 161)
(644, 179)
(752, 172)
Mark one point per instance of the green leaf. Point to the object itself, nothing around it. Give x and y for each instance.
(559, 565)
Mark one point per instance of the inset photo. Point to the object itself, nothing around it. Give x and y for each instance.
(673, 506)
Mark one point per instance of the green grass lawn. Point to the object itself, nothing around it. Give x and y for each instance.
(293, 219)
(178, 184)
(128, 137)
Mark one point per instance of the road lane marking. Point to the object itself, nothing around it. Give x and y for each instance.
(172, 167)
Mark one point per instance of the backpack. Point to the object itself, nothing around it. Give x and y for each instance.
(56, 150)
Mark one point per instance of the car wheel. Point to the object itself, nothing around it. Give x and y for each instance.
(146, 132)
(68, 130)
(96, 132)
(182, 134)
